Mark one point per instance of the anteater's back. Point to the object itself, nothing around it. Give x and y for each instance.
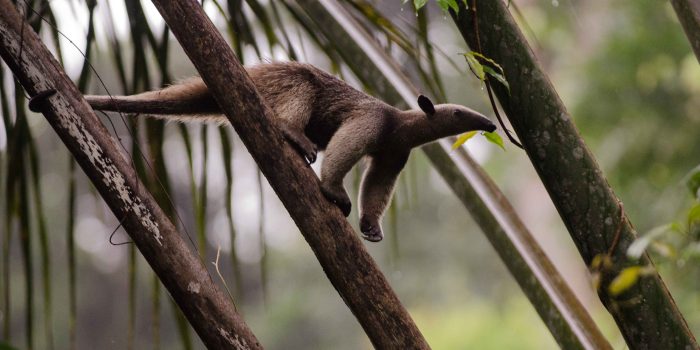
(308, 97)
(299, 94)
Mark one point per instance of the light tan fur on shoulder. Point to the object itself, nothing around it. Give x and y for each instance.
(317, 111)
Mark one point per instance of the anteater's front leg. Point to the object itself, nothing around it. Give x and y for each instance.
(347, 146)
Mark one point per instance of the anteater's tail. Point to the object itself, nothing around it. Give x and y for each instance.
(188, 100)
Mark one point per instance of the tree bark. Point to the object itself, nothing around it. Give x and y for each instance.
(209, 311)
(688, 12)
(342, 255)
(646, 313)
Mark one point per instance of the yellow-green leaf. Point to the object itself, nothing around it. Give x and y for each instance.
(625, 280)
(600, 262)
(495, 138)
(597, 262)
(463, 138)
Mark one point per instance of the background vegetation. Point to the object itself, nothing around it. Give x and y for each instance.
(624, 69)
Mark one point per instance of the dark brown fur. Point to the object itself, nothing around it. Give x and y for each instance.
(316, 110)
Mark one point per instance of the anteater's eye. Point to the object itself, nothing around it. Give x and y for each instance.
(456, 113)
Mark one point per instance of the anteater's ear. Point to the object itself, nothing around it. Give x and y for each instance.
(426, 105)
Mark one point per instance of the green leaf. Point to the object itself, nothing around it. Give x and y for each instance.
(493, 69)
(496, 65)
(475, 65)
(495, 138)
(480, 70)
(463, 138)
(625, 280)
(693, 181)
(498, 76)
(419, 3)
(445, 4)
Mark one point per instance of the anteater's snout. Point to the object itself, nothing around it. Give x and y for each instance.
(491, 128)
(488, 126)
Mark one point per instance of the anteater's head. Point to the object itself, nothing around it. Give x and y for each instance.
(455, 117)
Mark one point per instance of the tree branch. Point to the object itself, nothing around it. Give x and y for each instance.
(342, 255)
(209, 311)
(646, 313)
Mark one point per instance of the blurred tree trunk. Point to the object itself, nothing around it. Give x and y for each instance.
(688, 12)
(209, 311)
(645, 313)
(342, 255)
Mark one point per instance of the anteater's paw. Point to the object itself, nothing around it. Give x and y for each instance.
(306, 148)
(371, 229)
(309, 152)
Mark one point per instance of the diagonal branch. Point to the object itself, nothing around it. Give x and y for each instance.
(343, 257)
(209, 311)
(646, 313)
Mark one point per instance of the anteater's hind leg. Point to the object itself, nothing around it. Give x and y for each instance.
(292, 114)
(299, 140)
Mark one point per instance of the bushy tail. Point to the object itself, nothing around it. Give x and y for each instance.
(189, 100)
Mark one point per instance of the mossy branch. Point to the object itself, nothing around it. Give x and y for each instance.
(646, 313)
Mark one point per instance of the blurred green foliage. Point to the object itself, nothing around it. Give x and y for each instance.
(471, 325)
(639, 107)
(637, 103)
(625, 70)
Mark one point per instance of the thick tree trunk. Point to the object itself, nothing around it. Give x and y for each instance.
(342, 255)
(209, 311)
(646, 313)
